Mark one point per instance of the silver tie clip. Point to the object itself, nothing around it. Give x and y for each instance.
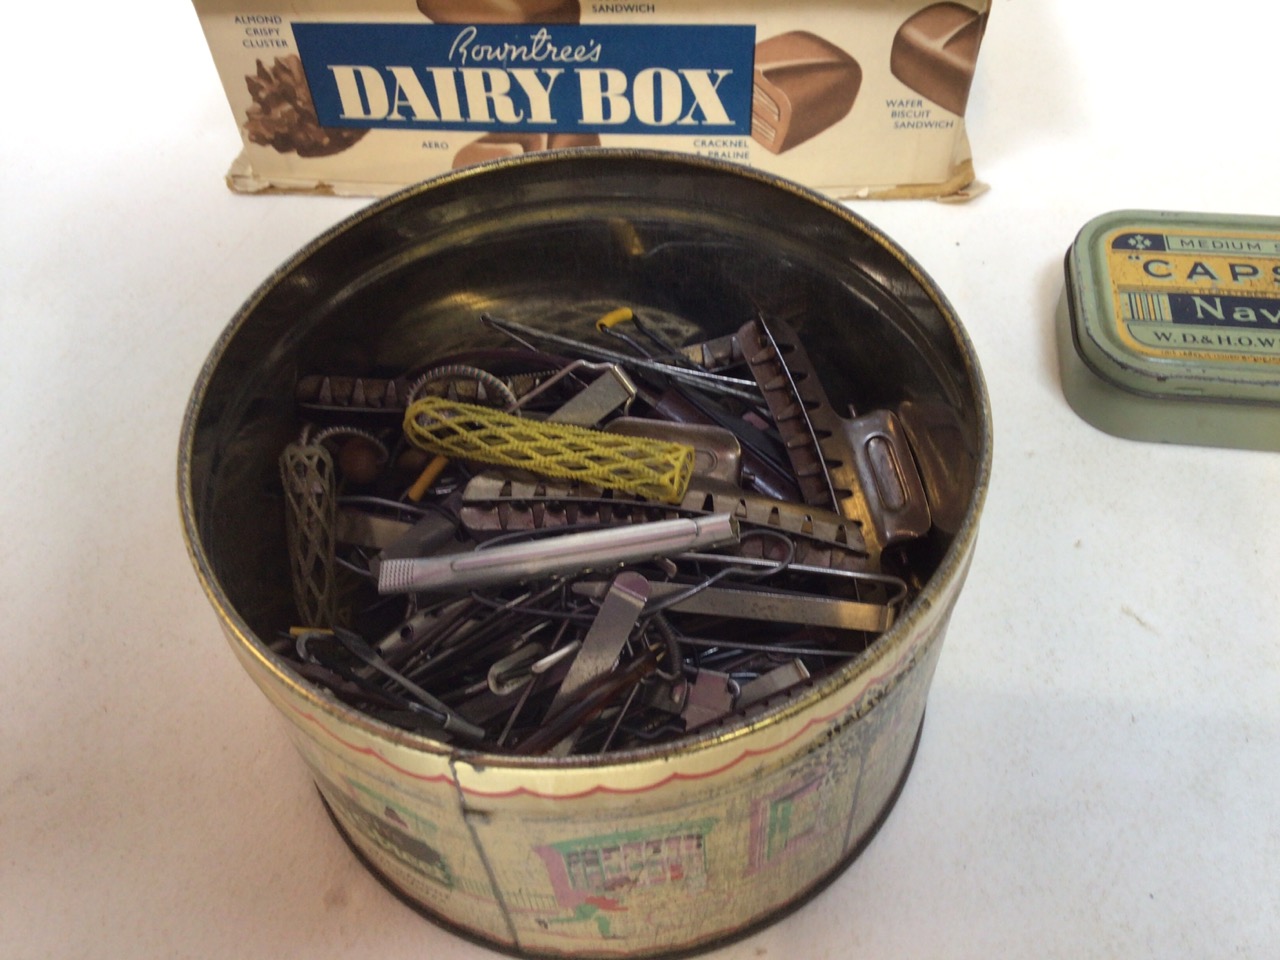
(554, 556)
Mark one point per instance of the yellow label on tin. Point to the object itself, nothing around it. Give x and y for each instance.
(1196, 293)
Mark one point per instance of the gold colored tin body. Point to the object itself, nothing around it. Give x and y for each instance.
(642, 852)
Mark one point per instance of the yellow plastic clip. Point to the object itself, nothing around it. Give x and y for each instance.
(648, 468)
(614, 317)
(430, 473)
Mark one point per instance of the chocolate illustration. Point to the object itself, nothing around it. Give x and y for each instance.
(495, 146)
(283, 117)
(803, 85)
(565, 141)
(935, 51)
(501, 11)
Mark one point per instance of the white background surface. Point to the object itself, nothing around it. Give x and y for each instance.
(1100, 767)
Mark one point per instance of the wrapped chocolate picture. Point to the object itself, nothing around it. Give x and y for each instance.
(803, 85)
(935, 52)
(501, 11)
(283, 117)
(495, 146)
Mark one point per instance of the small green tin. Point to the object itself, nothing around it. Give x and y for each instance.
(1169, 328)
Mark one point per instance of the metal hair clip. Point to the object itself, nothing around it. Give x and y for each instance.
(713, 382)
(566, 554)
(861, 467)
(777, 606)
(310, 489)
(638, 558)
(449, 721)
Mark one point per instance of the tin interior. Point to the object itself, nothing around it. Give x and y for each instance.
(556, 240)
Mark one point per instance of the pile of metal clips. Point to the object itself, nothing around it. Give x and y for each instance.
(572, 546)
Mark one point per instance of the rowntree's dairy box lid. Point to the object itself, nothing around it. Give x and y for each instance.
(1169, 327)
(858, 98)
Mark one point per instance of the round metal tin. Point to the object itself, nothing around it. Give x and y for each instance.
(1169, 327)
(654, 850)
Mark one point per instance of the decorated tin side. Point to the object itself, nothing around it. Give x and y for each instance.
(1169, 328)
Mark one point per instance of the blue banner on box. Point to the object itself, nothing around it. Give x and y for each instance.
(536, 78)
